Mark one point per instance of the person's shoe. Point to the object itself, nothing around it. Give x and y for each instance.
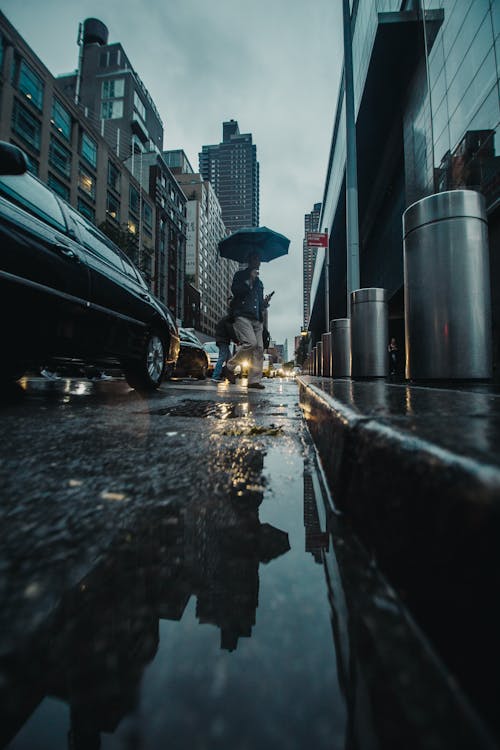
(49, 374)
(216, 380)
(259, 386)
(226, 373)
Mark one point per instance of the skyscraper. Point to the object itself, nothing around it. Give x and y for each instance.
(233, 170)
(311, 223)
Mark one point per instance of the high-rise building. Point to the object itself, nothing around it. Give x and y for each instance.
(233, 170)
(112, 94)
(205, 269)
(311, 223)
(66, 151)
(427, 120)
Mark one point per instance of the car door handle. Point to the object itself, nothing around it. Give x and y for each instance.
(66, 251)
(145, 296)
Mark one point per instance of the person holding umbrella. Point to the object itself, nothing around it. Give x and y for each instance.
(248, 308)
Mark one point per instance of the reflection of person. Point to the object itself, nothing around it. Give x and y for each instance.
(248, 308)
(224, 334)
(393, 356)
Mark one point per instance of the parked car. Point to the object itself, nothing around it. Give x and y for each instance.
(68, 295)
(212, 350)
(193, 359)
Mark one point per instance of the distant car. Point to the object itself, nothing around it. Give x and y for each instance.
(278, 369)
(68, 295)
(193, 360)
(212, 350)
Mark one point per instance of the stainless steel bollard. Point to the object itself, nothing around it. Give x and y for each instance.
(314, 361)
(319, 358)
(447, 287)
(369, 333)
(327, 354)
(340, 329)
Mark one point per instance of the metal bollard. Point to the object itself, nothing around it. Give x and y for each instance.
(327, 354)
(447, 287)
(369, 333)
(314, 361)
(341, 347)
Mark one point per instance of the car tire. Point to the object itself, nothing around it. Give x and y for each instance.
(202, 374)
(145, 375)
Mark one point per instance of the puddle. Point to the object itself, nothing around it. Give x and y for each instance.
(201, 409)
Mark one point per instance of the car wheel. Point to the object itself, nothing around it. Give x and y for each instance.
(202, 374)
(147, 373)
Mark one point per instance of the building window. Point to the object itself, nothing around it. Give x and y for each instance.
(148, 214)
(59, 157)
(89, 149)
(134, 199)
(86, 182)
(26, 126)
(31, 85)
(139, 106)
(61, 119)
(58, 187)
(132, 226)
(112, 110)
(112, 207)
(113, 88)
(113, 176)
(2, 48)
(85, 210)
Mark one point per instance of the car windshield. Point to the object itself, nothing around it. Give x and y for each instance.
(211, 346)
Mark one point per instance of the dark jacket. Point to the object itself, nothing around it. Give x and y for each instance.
(248, 302)
(224, 332)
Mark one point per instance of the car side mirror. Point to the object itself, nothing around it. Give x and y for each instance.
(12, 159)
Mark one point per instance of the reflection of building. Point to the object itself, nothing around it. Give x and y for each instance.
(233, 170)
(427, 118)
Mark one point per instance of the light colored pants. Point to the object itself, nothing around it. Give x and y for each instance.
(249, 334)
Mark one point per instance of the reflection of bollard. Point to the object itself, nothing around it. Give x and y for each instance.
(314, 362)
(447, 287)
(369, 333)
(341, 347)
(319, 358)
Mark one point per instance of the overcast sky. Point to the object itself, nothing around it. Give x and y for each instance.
(272, 65)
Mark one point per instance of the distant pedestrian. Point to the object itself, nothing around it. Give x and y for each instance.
(224, 334)
(248, 308)
(393, 357)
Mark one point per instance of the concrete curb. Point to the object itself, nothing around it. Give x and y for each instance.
(431, 519)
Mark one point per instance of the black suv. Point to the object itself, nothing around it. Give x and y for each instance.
(67, 293)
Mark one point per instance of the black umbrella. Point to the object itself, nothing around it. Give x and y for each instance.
(266, 242)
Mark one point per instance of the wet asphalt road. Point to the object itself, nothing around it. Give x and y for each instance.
(160, 583)
(173, 575)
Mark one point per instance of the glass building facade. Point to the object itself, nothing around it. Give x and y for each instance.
(427, 104)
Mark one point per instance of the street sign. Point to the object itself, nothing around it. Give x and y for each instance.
(317, 239)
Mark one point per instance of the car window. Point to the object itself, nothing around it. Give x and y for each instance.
(132, 271)
(96, 242)
(35, 197)
(211, 346)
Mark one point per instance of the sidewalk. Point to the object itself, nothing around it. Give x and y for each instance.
(416, 470)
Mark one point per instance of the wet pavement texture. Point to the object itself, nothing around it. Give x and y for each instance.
(172, 574)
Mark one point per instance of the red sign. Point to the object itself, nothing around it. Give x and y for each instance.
(316, 239)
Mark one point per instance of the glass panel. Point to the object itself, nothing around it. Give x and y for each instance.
(112, 110)
(98, 243)
(58, 187)
(113, 176)
(31, 85)
(59, 157)
(86, 182)
(148, 214)
(134, 199)
(113, 88)
(112, 207)
(61, 119)
(89, 149)
(86, 210)
(26, 126)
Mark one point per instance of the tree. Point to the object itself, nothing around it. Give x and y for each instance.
(302, 350)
